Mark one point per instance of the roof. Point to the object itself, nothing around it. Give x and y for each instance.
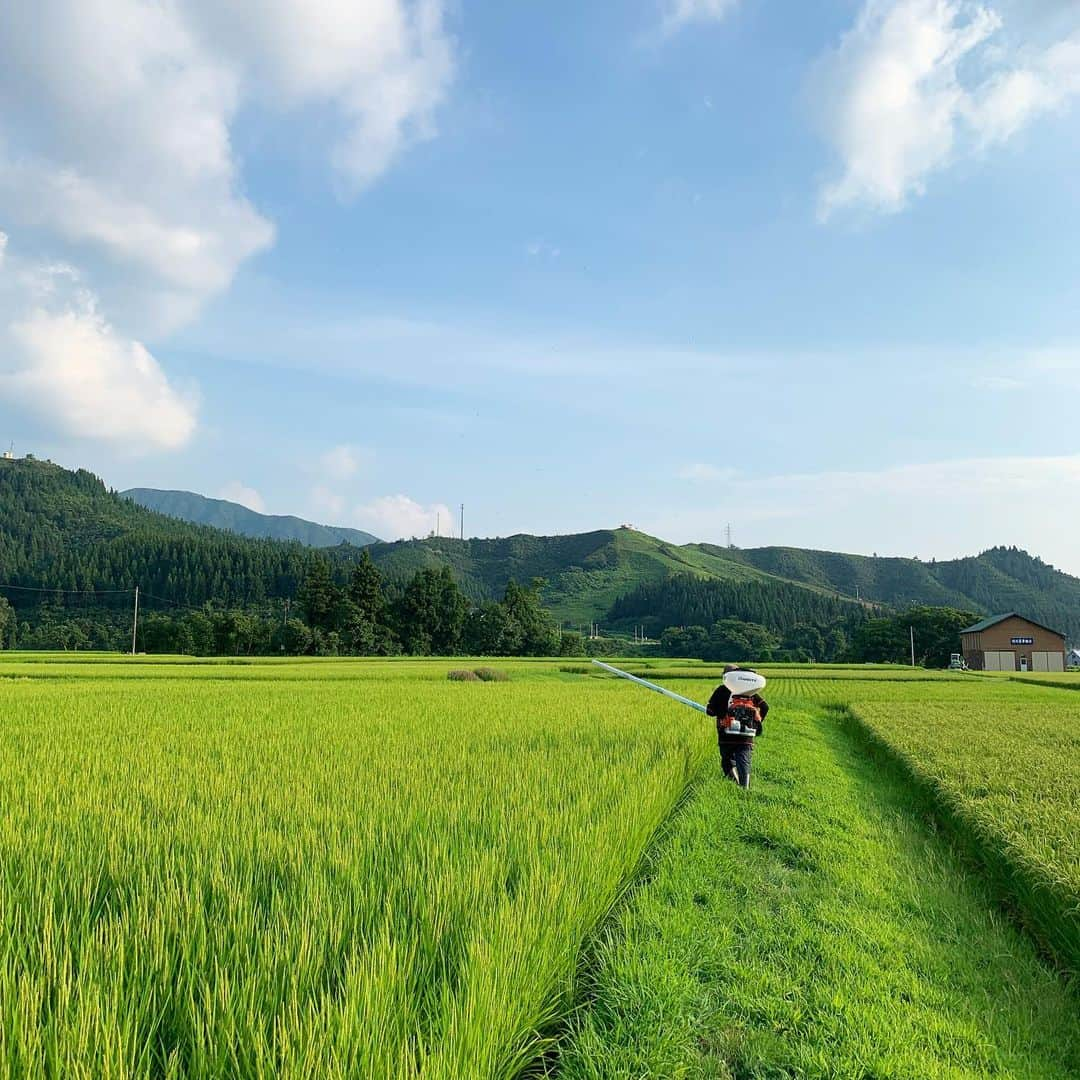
(979, 627)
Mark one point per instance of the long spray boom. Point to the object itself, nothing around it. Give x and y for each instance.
(652, 686)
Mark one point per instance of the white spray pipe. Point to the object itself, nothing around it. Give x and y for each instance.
(652, 686)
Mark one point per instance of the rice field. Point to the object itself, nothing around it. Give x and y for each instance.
(375, 873)
(1003, 764)
(361, 869)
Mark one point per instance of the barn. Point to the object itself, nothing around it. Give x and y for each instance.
(1012, 643)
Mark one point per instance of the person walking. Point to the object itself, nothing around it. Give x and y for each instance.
(736, 748)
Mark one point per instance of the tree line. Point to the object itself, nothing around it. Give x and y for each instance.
(933, 632)
(364, 615)
(685, 600)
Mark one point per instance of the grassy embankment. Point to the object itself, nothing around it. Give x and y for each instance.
(820, 927)
(1000, 760)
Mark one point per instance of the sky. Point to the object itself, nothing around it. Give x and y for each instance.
(809, 270)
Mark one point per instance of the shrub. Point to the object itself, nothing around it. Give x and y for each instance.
(462, 676)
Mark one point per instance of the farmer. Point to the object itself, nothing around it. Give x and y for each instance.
(735, 750)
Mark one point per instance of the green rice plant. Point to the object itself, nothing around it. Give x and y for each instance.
(282, 875)
(1003, 765)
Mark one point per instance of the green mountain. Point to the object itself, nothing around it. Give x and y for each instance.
(222, 514)
(588, 573)
(1000, 579)
(63, 530)
(64, 533)
(585, 573)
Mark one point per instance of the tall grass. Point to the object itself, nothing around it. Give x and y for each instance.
(370, 876)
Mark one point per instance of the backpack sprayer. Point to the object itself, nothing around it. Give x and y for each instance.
(742, 717)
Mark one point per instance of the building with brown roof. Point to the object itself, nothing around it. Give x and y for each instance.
(1012, 642)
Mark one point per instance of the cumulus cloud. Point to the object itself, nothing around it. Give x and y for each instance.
(343, 462)
(327, 503)
(679, 13)
(116, 152)
(62, 360)
(399, 517)
(383, 65)
(237, 492)
(915, 84)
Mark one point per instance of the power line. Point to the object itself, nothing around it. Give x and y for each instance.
(69, 592)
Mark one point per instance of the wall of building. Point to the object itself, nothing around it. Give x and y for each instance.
(1042, 650)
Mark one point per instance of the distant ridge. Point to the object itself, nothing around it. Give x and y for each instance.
(222, 514)
(64, 530)
(586, 574)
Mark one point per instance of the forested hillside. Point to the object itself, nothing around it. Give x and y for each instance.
(1001, 579)
(584, 574)
(71, 553)
(65, 531)
(222, 514)
(687, 601)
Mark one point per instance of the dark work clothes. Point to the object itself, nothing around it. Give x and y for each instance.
(735, 762)
(718, 707)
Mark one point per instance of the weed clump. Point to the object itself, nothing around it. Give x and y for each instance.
(462, 676)
(486, 674)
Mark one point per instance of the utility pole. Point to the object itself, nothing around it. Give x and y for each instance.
(287, 603)
(135, 622)
(462, 521)
(912, 628)
(438, 523)
(727, 533)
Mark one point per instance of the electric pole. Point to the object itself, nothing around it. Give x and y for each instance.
(462, 521)
(912, 628)
(135, 622)
(287, 603)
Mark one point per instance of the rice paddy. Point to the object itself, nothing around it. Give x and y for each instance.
(361, 868)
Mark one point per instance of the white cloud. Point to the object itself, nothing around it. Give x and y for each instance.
(61, 360)
(1003, 383)
(383, 65)
(116, 141)
(70, 365)
(915, 84)
(237, 492)
(327, 503)
(116, 152)
(398, 516)
(1013, 98)
(679, 13)
(343, 462)
(939, 509)
(541, 249)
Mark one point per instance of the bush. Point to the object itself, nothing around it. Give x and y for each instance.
(462, 676)
(486, 674)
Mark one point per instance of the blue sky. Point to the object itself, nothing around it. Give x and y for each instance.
(808, 269)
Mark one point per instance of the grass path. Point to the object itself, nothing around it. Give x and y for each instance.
(817, 928)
